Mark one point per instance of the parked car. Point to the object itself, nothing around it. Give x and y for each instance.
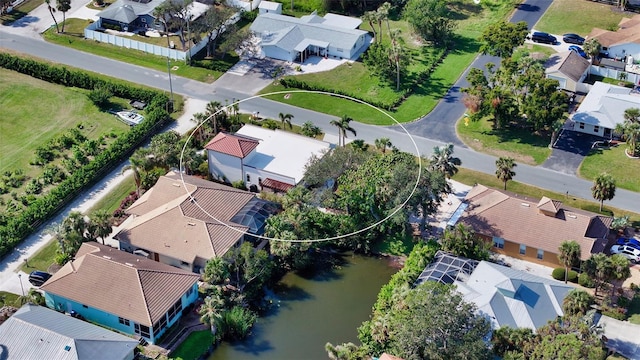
(573, 39)
(542, 37)
(37, 278)
(578, 50)
(627, 251)
(629, 242)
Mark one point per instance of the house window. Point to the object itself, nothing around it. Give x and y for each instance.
(124, 321)
(596, 128)
(85, 306)
(175, 309)
(540, 254)
(142, 330)
(161, 324)
(581, 125)
(523, 249)
(248, 178)
(498, 242)
(190, 291)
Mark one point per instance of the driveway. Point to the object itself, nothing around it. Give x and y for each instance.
(569, 151)
(622, 337)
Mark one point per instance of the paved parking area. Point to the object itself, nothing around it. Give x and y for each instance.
(569, 151)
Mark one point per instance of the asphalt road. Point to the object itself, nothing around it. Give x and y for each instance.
(537, 176)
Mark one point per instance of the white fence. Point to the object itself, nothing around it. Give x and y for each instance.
(614, 74)
(91, 33)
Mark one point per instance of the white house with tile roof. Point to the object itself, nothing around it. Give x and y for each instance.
(122, 291)
(295, 39)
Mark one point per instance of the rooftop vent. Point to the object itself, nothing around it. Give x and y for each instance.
(67, 348)
(128, 264)
(572, 216)
(525, 204)
(106, 257)
(175, 184)
(191, 224)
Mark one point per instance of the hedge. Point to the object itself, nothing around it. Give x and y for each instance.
(558, 274)
(47, 205)
(586, 281)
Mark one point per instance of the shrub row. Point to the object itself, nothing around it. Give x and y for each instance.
(293, 82)
(558, 274)
(25, 222)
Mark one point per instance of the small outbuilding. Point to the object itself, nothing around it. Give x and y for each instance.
(569, 69)
(270, 7)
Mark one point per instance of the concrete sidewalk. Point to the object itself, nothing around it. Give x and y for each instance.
(9, 279)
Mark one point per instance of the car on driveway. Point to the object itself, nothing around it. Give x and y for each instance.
(37, 278)
(627, 251)
(543, 37)
(573, 39)
(578, 50)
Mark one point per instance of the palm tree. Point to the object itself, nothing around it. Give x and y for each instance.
(212, 112)
(442, 160)
(371, 18)
(343, 126)
(211, 311)
(577, 302)
(604, 188)
(568, 256)
(382, 144)
(620, 271)
(504, 169)
(136, 164)
(597, 267)
(101, 224)
(383, 15)
(63, 7)
(285, 119)
(592, 48)
(630, 129)
(51, 11)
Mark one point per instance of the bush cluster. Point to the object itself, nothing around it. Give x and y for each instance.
(558, 274)
(23, 223)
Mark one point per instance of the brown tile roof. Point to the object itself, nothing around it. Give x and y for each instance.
(120, 283)
(568, 63)
(232, 144)
(517, 219)
(276, 185)
(168, 222)
(548, 205)
(628, 32)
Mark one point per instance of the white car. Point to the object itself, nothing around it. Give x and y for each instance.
(629, 252)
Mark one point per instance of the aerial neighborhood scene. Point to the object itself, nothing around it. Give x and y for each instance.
(307, 179)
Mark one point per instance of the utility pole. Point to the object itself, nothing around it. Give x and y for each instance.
(21, 287)
(170, 107)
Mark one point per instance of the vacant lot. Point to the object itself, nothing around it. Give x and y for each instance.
(34, 112)
(578, 16)
(626, 171)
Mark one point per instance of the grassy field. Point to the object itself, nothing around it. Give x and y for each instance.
(471, 177)
(519, 144)
(28, 122)
(111, 201)
(74, 38)
(578, 16)
(616, 163)
(194, 345)
(10, 299)
(42, 259)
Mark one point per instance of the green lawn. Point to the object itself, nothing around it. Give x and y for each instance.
(73, 38)
(634, 310)
(471, 177)
(21, 11)
(194, 345)
(578, 16)
(42, 259)
(111, 201)
(28, 122)
(519, 144)
(616, 163)
(10, 299)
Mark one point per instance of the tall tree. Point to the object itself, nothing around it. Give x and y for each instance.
(371, 17)
(383, 144)
(462, 241)
(502, 38)
(346, 351)
(63, 6)
(604, 188)
(51, 11)
(442, 160)
(211, 311)
(630, 130)
(285, 119)
(100, 224)
(598, 268)
(620, 271)
(383, 13)
(504, 169)
(213, 23)
(343, 126)
(431, 20)
(397, 54)
(577, 302)
(592, 48)
(569, 255)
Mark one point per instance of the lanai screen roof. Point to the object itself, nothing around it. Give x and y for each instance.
(447, 268)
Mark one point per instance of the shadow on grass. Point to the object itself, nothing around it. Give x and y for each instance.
(461, 10)
(519, 135)
(15, 15)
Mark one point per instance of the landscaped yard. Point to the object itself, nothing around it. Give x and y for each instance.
(634, 310)
(194, 345)
(578, 16)
(9, 299)
(519, 144)
(626, 171)
(35, 112)
(21, 11)
(42, 259)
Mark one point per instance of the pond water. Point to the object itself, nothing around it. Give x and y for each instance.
(310, 311)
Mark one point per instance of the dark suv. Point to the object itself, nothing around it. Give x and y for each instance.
(542, 37)
(37, 278)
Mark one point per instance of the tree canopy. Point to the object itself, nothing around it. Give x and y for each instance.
(501, 38)
(431, 20)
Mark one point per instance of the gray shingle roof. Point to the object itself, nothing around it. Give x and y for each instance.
(123, 10)
(311, 27)
(35, 332)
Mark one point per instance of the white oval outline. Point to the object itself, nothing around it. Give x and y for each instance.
(338, 237)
